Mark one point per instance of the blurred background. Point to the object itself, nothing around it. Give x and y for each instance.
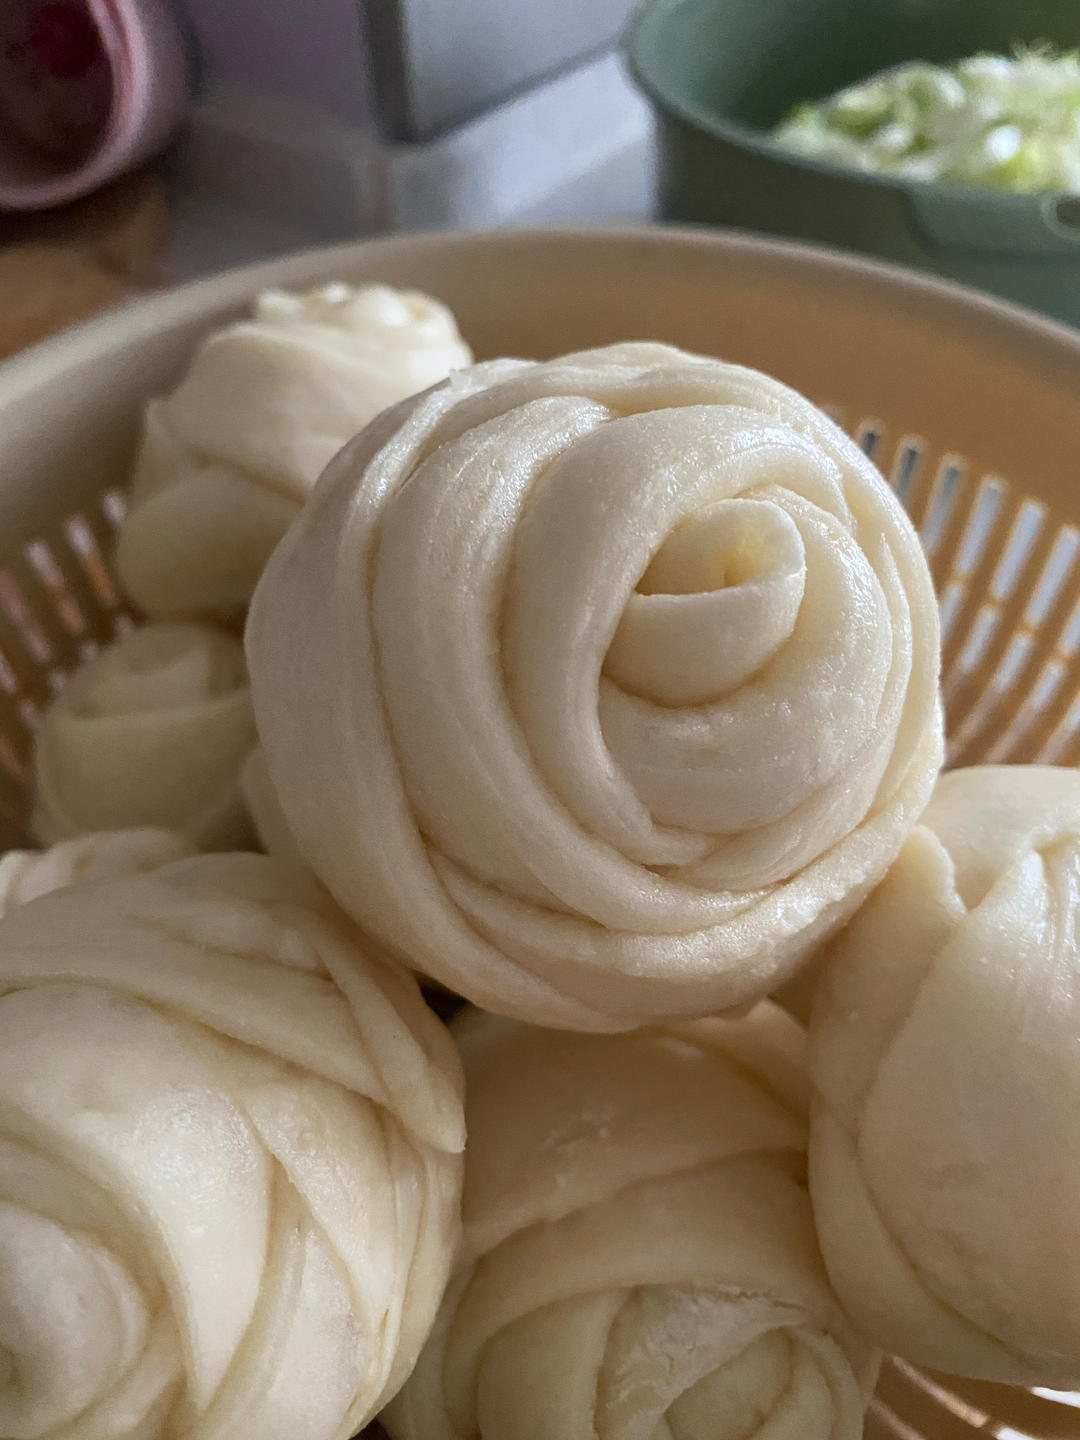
(322, 120)
(289, 124)
(144, 142)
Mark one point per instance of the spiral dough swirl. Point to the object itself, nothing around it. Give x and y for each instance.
(153, 731)
(600, 689)
(945, 1159)
(229, 1161)
(638, 1256)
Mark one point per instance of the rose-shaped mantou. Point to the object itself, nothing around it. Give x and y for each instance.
(229, 457)
(26, 874)
(229, 1165)
(945, 1157)
(600, 689)
(638, 1256)
(153, 731)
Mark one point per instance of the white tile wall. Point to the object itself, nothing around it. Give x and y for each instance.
(454, 60)
(259, 173)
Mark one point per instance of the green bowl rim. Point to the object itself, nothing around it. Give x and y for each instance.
(651, 14)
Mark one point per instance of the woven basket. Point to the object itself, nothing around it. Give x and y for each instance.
(971, 409)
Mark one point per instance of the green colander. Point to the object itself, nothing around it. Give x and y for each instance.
(721, 73)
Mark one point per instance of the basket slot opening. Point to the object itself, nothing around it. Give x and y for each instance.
(1070, 637)
(978, 553)
(84, 546)
(942, 500)
(925, 1409)
(54, 587)
(17, 713)
(1050, 727)
(908, 455)
(1047, 685)
(10, 762)
(1019, 743)
(1064, 737)
(1008, 671)
(17, 609)
(949, 605)
(114, 507)
(1023, 1413)
(1063, 1397)
(980, 526)
(981, 700)
(1025, 531)
(1054, 577)
(868, 437)
(982, 632)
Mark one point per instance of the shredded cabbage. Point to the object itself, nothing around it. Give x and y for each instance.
(1012, 123)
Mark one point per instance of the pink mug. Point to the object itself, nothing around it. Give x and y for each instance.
(88, 88)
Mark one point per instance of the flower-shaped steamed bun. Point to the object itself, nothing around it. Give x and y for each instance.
(945, 1153)
(153, 731)
(638, 1256)
(600, 689)
(229, 1164)
(229, 457)
(26, 874)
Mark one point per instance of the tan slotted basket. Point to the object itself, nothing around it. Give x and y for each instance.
(970, 408)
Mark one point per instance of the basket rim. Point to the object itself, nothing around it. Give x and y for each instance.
(985, 317)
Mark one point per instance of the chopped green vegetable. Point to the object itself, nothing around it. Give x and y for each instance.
(1008, 122)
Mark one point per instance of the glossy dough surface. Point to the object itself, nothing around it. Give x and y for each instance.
(229, 457)
(229, 1163)
(153, 731)
(639, 1261)
(600, 689)
(945, 1154)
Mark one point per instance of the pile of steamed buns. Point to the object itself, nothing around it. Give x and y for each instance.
(602, 692)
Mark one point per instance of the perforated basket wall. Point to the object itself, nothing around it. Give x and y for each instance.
(1005, 555)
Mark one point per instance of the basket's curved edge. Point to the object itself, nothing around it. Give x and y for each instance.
(146, 315)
